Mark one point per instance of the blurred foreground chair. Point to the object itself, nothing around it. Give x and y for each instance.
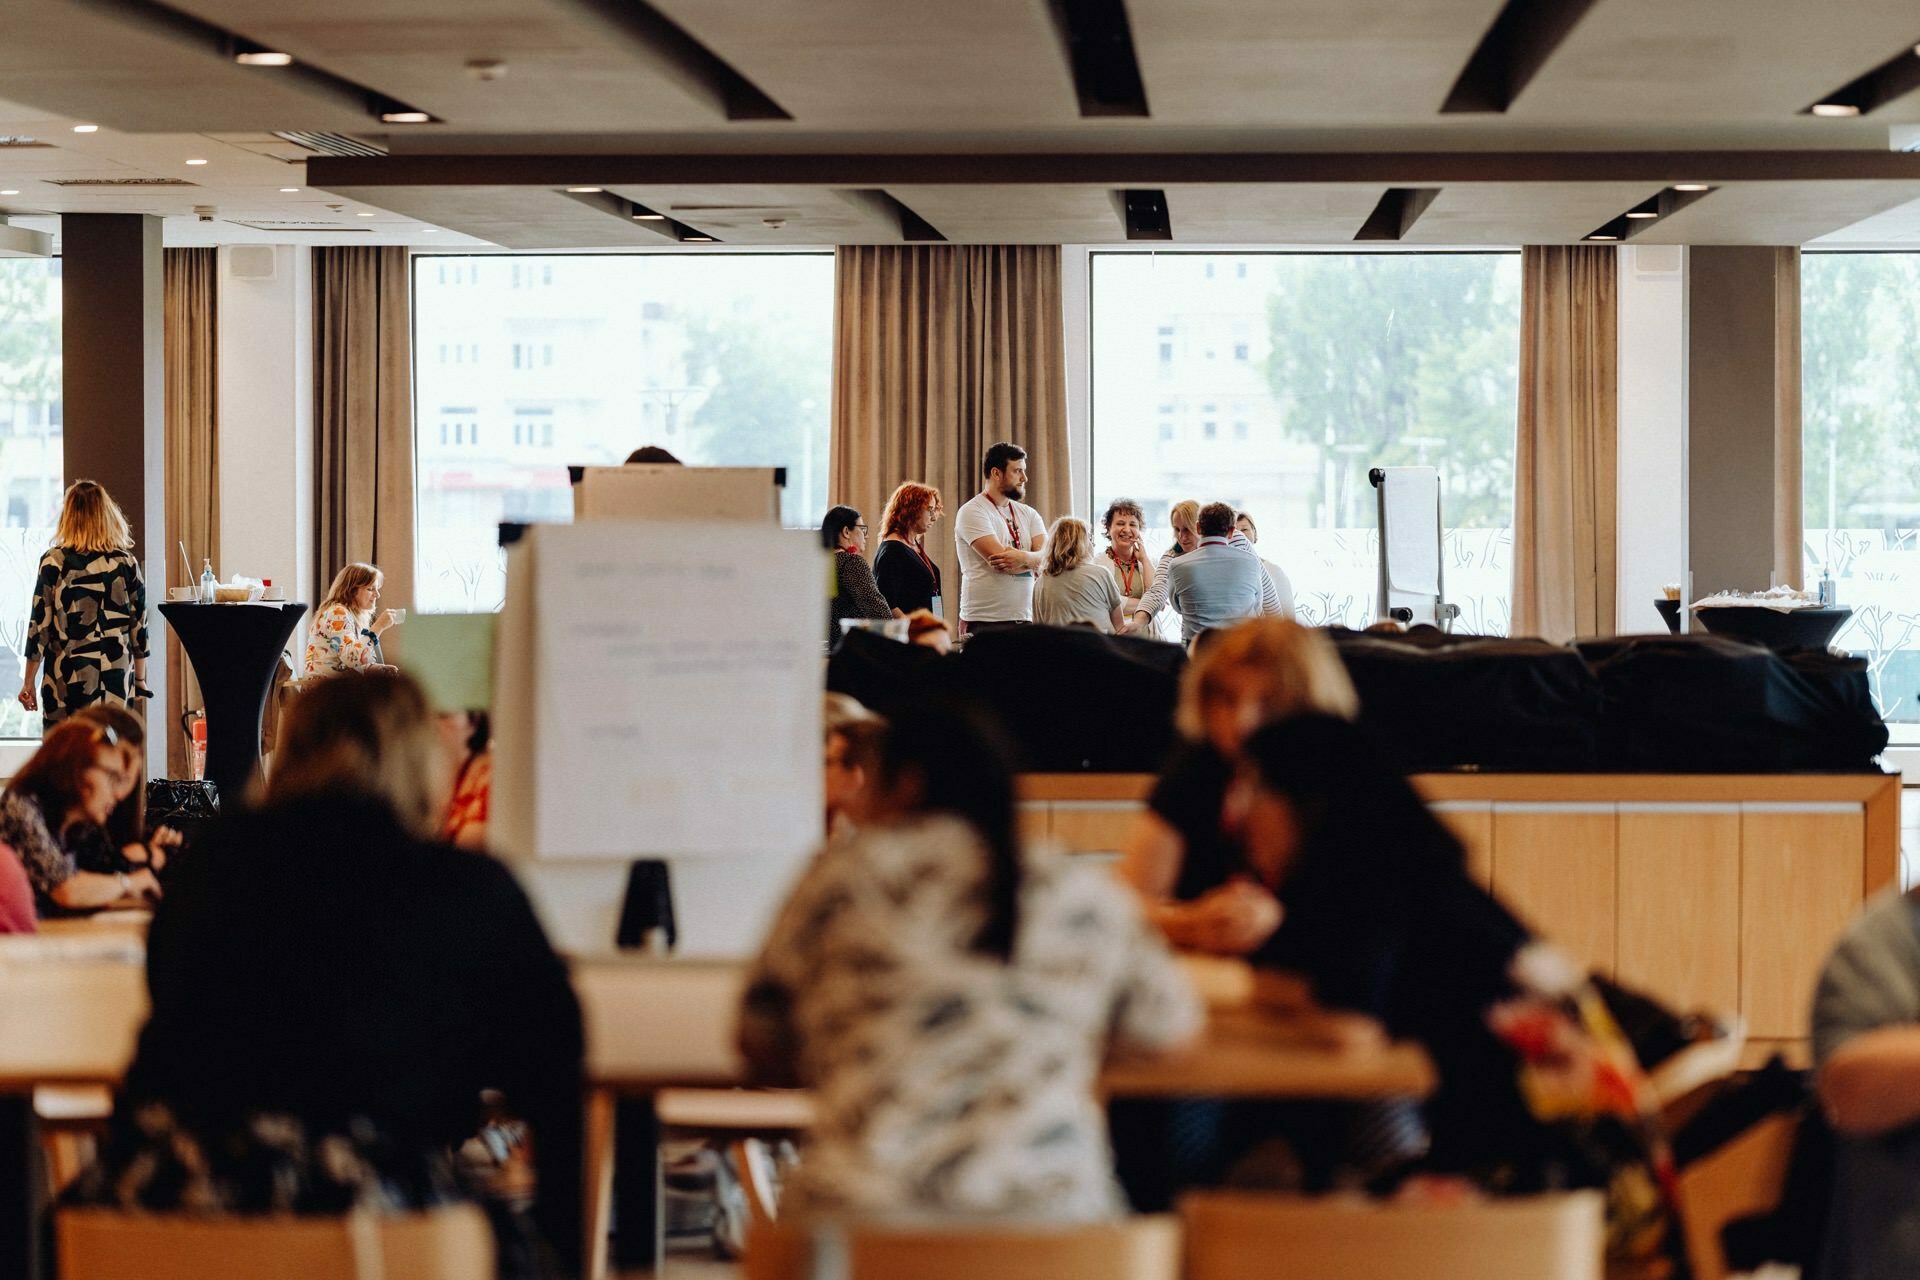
(1250, 1236)
(1130, 1249)
(453, 1243)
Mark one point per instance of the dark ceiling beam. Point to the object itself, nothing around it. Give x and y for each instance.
(1402, 169)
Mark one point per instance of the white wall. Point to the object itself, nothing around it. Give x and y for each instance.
(1652, 433)
(266, 420)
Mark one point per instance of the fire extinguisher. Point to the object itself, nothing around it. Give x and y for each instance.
(194, 725)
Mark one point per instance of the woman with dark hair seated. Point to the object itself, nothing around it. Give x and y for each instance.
(332, 992)
(844, 533)
(54, 815)
(130, 845)
(950, 995)
(1537, 1088)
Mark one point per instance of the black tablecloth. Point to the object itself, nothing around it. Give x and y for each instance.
(233, 648)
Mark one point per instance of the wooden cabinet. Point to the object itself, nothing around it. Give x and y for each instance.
(1716, 892)
(1553, 864)
(1679, 869)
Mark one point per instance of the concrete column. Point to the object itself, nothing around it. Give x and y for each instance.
(114, 385)
(1735, 363)
(266, 417)
(1652, 458)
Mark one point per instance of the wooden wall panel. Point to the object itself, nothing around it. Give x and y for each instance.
(1087, 827)
(1800, 885)
(1472, 824)
(1679, 886)
(1554, 866)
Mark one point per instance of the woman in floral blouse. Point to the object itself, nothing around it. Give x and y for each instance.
(949, 997)
(346, 633)
(89, 619)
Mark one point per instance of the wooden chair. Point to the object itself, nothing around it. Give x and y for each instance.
(1133, 1249)
(736, 1118)
(71, 1118)
(453, 1243)
(1746, 1176)
(1248, 1236)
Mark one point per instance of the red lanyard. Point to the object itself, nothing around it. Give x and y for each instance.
(1013, 526)
(1126, 576)
(919, 551)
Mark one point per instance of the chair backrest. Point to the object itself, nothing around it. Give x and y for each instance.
(1746, 1176)
(1132, 1249)
(453, 1243)
(1246, 1236)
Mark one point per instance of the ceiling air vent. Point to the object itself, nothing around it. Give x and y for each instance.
(119, 182)
(332, 144)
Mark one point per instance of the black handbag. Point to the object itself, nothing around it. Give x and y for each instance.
(183, 804)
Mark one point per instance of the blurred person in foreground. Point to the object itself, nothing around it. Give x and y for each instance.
(332, 991)
(949, 995)
(1183, 857)
(1384, 933)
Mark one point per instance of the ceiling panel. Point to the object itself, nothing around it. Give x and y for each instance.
(1247, 214)
(1775, 212)
(1633, 61)
(1898, 225)
(565, 68)
(894, 64)
(73, 60)
(511, 217)
(1509, 213)
(1018, 214)
(1286, 64)
(739, 215)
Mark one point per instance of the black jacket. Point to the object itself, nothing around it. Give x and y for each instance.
(314, 958)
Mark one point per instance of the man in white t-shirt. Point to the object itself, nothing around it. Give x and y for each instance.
(998, 539)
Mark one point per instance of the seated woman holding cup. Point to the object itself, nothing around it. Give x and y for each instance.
(346, 630)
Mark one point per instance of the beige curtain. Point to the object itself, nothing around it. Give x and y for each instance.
(940, 351)
(363, 415)
(1565, 474)
(192, 457)
(1789, 512)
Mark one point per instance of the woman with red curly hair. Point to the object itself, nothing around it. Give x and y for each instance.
(907, 575)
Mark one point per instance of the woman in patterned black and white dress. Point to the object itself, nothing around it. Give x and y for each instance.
(89, 619)
(949, 997)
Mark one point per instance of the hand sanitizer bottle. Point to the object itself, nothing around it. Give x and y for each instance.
(209, 584)
(1829, 590)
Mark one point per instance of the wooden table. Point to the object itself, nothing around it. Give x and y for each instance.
(651, 1025)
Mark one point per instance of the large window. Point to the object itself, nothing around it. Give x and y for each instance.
(1275, 381)
(1860, 423)
(30, 459)
(526, 365)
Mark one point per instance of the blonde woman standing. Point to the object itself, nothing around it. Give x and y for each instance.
(346, 631)
(87, 636)
(1076, 590)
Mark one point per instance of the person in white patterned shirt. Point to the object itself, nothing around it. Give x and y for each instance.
(950, 996)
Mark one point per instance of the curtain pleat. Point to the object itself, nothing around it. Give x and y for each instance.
(192, 456)
(1565, 537)
(939, 352)
(363, 416)
(1789, 513)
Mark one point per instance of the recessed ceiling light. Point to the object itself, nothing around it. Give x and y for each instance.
(10, 191)
(263, 58)
(1641, 213)
(405, 117)
(1598, 236)
(365, 214)
(287, 191)
(1690, 186)
(699, 239)
(584, 191)
(429, 231)
(649, 217)
(86, 128)
(1834, 110)
(196, 162)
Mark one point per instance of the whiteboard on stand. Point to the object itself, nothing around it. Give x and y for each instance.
(1411, 578)
(658, 692)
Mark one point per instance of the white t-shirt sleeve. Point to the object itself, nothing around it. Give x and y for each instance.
(973, 523)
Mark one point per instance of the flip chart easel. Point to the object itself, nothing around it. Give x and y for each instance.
(1412, 584)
